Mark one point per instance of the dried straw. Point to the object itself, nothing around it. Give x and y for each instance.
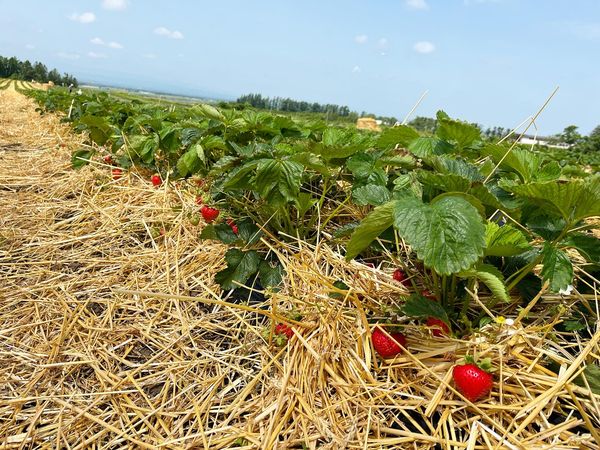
(110, 338)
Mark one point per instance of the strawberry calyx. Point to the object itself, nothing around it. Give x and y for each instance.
(484, 364)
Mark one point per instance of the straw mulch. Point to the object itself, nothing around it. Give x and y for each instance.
(113, 338)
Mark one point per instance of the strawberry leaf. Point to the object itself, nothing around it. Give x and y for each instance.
(420, 307)
(240, 267)
(372, 226)
(557, 268)
(448, 235)
(504, 241)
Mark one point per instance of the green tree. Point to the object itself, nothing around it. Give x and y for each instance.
(570, 135)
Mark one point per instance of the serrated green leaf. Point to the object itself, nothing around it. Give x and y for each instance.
(209, 111)
(278, 181)
(399, 134)
(557, 268)
(81, 158)
(462, 133)
(504, 241)
(586, 244)
(575, 200)
(444, 182)
(248, 232)
(523, 162)
(240, 267)
(428, 146)
(380, 219)
(448, 236)
(491, 277)
(270, 274)
(592, 376)
(304, 203)
(371, 194)
(364, 167)
(420, 307)
(189, 162)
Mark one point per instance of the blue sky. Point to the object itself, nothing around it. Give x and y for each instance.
(488, 61)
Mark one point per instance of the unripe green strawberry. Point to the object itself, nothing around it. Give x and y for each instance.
(472, 381)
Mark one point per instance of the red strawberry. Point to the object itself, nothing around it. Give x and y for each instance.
(233, 226)
(428, 294)
(472, 381)
(284, 330)
(116, 173)
(387, 346)
(438, 327)
(209, 214)
(108, 159)
(156, 181)
(401, 277)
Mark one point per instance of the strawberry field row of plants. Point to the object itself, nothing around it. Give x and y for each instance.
(447, 214)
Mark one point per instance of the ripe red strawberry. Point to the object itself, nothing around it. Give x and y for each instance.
(472, 381)
(209, 214)
(401, 277)
(438, 327)
(428, 294)
(387, 346)
(156, 181)
(116, 173)
(284, 330)
(108, 159)
(233, 226)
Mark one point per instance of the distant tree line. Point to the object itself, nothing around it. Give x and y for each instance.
(25, 70)
(290, 105)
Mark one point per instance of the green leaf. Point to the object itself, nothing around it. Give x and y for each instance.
(248, 232)
(575, 200)
(586, 244)
(270, 274)
(428, 146)
(311, 161)
(144, 146)
(443, 182)
(304, 203)
(406, 161)
(278, 181)
(399, 134)
(592, 376)
(380, 219)
(99, 129)
(220, 232)
(189, 162)
(504, 241)
(240, 267)
(557, 268)
(371, 194)
(418, 306)
(81, 158)
(364, 167)
(491, 277)
(209, 111)
(523, 162)
(448, 236)
(462, 133)
(449, 165)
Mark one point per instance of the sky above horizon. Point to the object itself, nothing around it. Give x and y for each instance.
(493, 62)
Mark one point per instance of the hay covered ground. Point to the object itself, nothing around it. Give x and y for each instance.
(111, 337)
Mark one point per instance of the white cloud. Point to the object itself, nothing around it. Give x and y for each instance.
(356, 69)
(29, 46)
(97, 41)
(65, 55)
(417, 4)
(423, 47)
(86, 17)
(115, 5)
(111, 44)
(162, 31)
(96, 55)
(382, 42)
(114, 44)
(361, 38)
